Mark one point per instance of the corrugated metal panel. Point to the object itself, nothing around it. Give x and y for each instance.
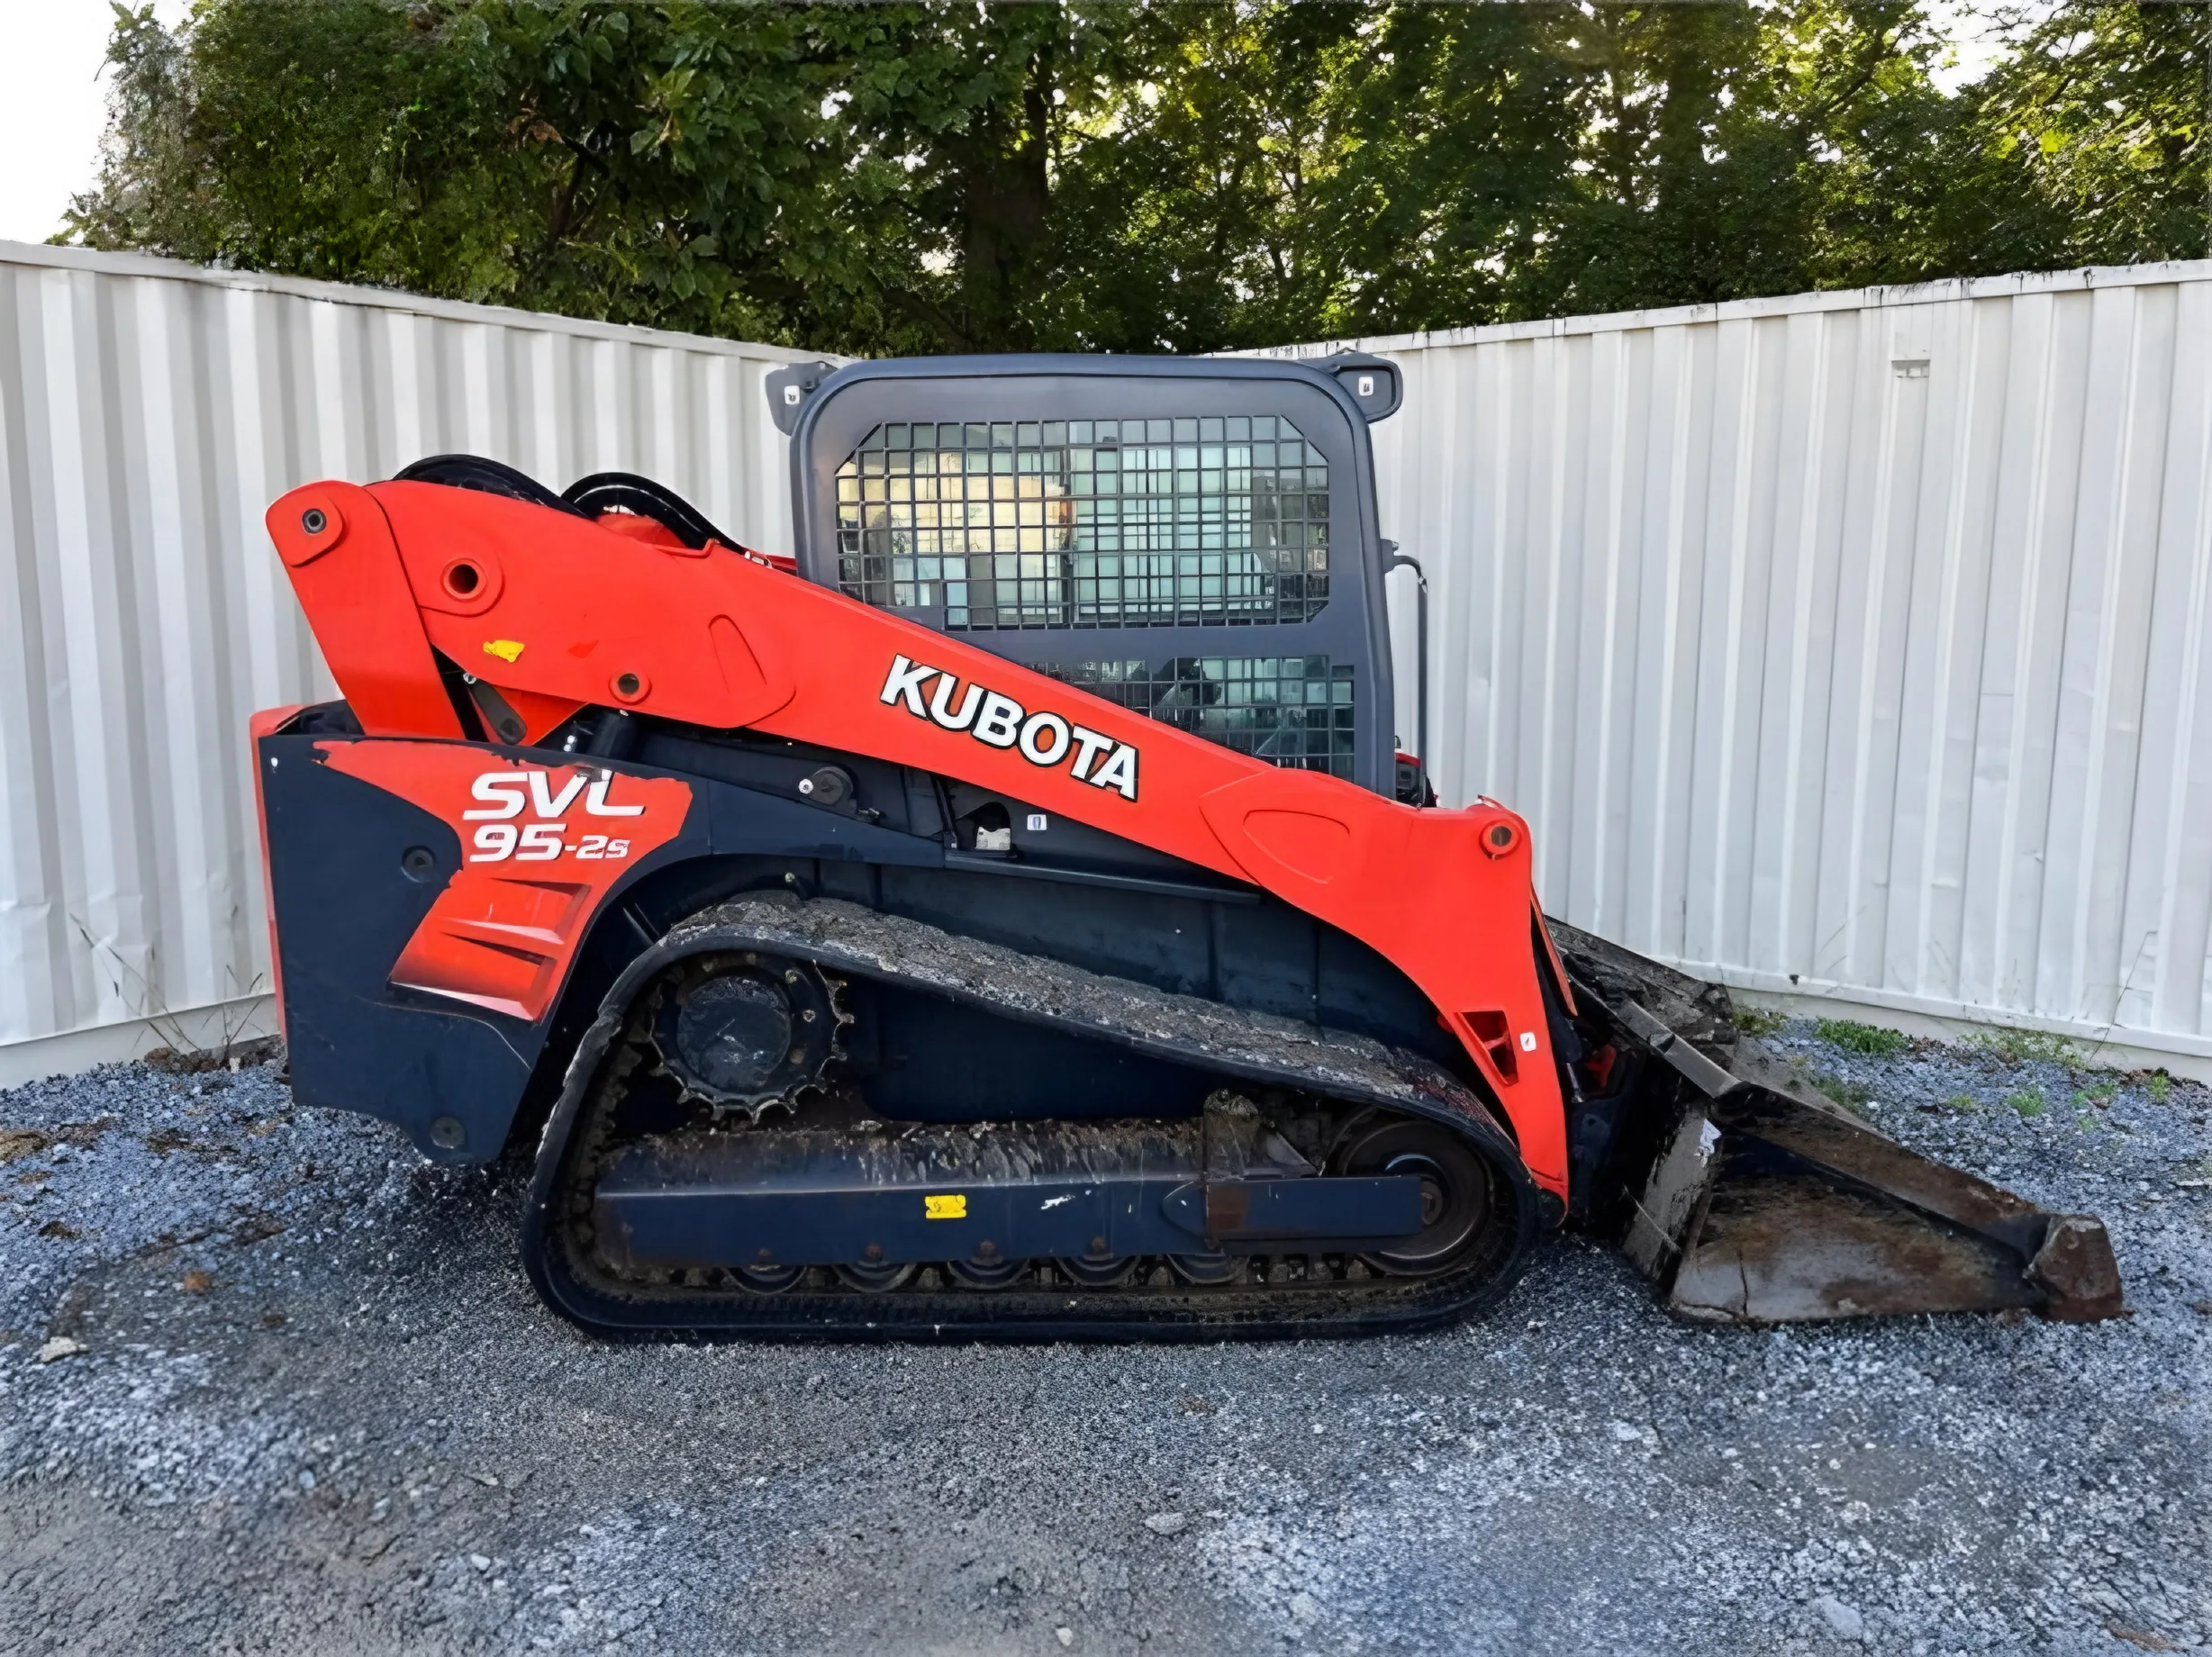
(1814, 670)
(149, 413)
(1848, 644)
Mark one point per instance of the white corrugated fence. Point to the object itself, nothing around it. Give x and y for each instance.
(1848, 645)
(1845, 646)
(150, 412)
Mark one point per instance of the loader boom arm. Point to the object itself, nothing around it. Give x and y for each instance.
(556, 613)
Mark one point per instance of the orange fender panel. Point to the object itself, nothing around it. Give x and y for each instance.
(540, 847)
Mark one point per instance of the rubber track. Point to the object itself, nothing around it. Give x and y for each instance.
(1252, 1046)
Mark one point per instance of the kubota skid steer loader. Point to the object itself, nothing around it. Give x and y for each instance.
(1011, 918)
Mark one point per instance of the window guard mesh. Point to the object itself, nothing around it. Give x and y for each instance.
(1219, 521)
(1295, 711)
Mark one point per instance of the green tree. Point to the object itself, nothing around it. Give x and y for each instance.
(1193, 196)
(858, 177)
(957, 121)
(609, 161)
(1166, 175)
(2094, 133)
(1311, 171)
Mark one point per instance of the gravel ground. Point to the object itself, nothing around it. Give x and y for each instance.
(316, 1406)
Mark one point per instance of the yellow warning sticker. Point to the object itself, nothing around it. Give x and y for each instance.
(505, 650)
(944, 1207)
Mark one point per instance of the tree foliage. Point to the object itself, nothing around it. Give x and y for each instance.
(1139, 176)
(2096, 132)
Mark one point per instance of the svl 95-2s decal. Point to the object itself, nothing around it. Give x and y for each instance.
(508, 793)
(1047, 741)
(507, 923)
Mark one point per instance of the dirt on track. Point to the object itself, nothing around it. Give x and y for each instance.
(298, 1396)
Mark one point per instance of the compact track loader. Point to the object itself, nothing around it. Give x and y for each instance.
(1010, 917)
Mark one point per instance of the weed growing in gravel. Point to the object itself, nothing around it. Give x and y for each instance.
(1758, 1021)
(2027, 1101)
(2159, 1085)
(2100, 1095)
(1845, 1092)
(1871, 1039)
(2026, 1047)
(1963, 1102)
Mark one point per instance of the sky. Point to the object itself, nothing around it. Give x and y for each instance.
(53, 104)
(53, 99)
(1974, 47)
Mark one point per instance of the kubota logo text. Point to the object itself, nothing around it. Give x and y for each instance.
(508, 793)
(998, 721)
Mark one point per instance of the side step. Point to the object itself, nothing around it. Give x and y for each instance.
(1751, 1197)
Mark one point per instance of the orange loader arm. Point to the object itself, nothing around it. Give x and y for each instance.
(556, 612)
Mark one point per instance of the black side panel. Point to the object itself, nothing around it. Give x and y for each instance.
(1262, 954)
(1156, 940)
(775, 767)
(938, 1058)
(346, 909)
(1359, 990)
(1266, 958)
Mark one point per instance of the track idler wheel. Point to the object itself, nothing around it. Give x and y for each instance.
(1456, 1201)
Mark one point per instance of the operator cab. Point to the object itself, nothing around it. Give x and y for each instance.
(1193, 539)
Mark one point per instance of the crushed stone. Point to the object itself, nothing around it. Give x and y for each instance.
(311, 1403)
